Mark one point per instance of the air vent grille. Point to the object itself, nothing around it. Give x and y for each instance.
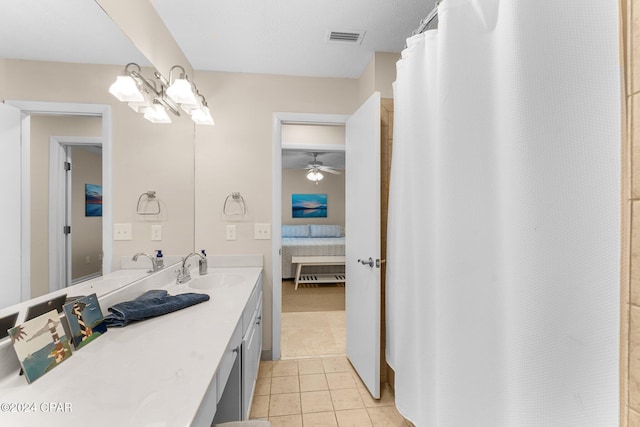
(350, 36)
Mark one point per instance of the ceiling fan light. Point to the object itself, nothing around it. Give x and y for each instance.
(314, 175)
(181, 92)
(126, 89)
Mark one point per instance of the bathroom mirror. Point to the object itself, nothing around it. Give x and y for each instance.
(144, 157)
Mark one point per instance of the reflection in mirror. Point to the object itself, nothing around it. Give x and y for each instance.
(58, 201)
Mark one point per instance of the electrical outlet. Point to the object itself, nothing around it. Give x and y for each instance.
(231, 232)
(156, 232)
(262, 231)
(87, 260)
(122, 232)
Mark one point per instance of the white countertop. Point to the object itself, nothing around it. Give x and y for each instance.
(150, 373)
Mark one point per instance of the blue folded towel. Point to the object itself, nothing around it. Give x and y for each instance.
(150, 304)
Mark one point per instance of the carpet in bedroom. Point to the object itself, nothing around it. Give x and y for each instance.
(311, 297)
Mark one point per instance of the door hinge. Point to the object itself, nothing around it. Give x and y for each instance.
(67, 166)
(66, 229)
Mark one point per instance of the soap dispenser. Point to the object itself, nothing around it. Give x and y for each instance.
(159, 259)
(202, 263)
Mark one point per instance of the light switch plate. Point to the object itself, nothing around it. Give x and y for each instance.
(122, 231)
(156, 232)
(262, 231)
(231, 232)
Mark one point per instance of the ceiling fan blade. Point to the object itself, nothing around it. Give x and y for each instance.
(330, 170)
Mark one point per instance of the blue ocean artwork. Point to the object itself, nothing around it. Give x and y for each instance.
(93, 200)
(309, 205)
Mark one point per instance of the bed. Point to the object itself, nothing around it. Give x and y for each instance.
(310, 240)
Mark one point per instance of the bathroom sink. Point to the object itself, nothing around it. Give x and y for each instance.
(216, 280)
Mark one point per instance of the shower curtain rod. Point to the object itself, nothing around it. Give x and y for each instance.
(426, 21)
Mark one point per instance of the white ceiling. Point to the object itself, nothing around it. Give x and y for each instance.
(254, 36)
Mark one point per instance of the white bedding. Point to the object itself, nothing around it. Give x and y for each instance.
(309, 246)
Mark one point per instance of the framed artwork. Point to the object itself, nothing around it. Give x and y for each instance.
(309, 205)
(86, 322)
(40, 345)
(92, 200)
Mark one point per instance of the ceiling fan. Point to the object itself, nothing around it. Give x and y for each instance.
(315, 168)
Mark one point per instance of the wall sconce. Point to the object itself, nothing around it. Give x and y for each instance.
(154, 98)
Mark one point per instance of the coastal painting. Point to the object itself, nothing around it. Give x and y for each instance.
(40, 345)
(92, 200)
(86, 322)
(309, 205)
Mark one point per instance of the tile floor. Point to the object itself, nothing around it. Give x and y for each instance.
(322, 392)
(313, 334)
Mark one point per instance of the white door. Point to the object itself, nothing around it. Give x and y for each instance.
(363, 242)
(10, 216)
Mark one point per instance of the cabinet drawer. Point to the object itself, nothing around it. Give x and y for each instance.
(230, 354)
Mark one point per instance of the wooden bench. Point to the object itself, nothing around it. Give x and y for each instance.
(306, 261)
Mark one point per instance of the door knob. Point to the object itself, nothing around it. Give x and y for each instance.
(368, 262)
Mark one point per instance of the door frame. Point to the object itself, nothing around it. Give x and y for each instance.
(59, 207)
(280, 119)
(27, 108)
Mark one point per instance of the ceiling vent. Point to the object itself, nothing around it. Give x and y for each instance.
(350, 36)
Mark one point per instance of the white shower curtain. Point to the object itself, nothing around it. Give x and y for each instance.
(504, 221)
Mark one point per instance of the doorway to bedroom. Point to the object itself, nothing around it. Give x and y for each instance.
(313, 319)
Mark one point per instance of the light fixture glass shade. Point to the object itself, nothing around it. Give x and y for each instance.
(142, 106)
(157, 114)
(182, 93)
(126, 89)
(202, 116)
(314, 175)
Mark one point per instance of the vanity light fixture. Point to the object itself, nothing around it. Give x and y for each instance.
(125, 87)
(154, 97)
(180, 90)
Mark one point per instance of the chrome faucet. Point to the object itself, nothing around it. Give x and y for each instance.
(154, 265)
(183, 273)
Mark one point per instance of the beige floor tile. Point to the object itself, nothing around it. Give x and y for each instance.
(348, 398)
(263, 386)
(353, 418)
(260, 407)
(336, 364)
(283, 368)
(320, 419)
(357, 379)
(316, 401)
(309, 334)
(265, 369)
(284, 404)
(338, 380)
(386, 397)
(386, 416)
(313, 382)
(288, 384)
(310, 366)
(286, 421)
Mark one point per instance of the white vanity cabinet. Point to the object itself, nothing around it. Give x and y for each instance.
(238, 371)
(251, 350)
